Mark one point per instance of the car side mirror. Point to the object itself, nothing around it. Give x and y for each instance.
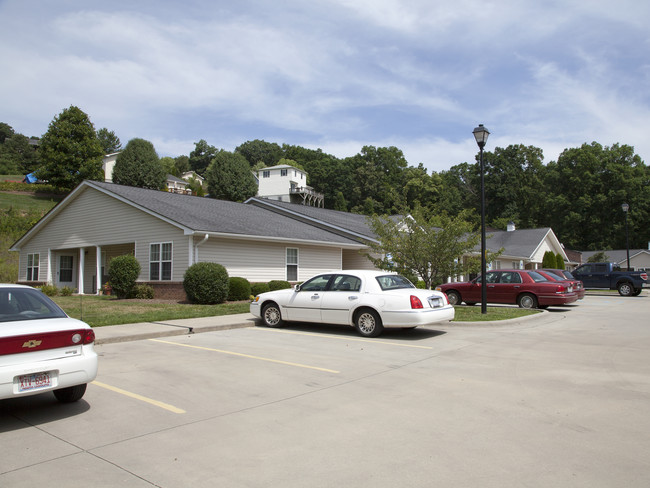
(296, 288)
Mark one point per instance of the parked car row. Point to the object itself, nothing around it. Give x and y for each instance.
(526, 288)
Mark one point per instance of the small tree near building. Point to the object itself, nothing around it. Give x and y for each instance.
(428, 246)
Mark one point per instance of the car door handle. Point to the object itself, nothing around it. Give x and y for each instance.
(315, 297)
(516, 286)
(490, 286)
(353, 297)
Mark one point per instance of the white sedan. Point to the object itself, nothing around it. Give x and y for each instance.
(41, 348)
(368, 300)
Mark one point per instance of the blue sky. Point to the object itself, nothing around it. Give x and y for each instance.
(336, 75)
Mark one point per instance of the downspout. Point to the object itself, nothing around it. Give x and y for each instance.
(196, 248)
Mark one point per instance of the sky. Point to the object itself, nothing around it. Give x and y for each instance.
(334, 74)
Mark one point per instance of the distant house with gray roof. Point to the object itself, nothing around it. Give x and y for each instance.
(260, 240)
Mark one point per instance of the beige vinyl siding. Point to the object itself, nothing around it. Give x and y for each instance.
(94, 219)
(354, 259)
(266, 261)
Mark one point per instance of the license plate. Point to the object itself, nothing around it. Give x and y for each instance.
(35, 381)
(435, 302)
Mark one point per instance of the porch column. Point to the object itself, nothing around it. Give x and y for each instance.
(50, 279)
(190, 252)
(82, 265)
(98, 265)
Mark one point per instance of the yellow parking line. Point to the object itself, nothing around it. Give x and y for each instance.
(248, 356)
(166, 406)
(340, 338)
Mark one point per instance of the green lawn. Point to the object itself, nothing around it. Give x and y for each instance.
(98, 311)
(105, 310)
(27, 202)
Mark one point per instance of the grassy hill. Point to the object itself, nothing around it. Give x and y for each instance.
(20, 208)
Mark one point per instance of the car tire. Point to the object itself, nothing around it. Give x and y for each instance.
(70, 394)
(454, 297)
(368, 323)
(271, 315)
(527, 300)
(625, 289)
(637, 292)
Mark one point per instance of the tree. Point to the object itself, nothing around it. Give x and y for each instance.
(109, 141)
(182, 164)
(138, 165)
(17, 155)
(559, 261)
(6, 131)
(430, 246)
(549, 260)
(229, 177)
(599, 257)
(258, 150)
(202, 156)
(586, 187)
(70, 151)
(169, 166)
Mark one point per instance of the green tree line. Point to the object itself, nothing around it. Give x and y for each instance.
(579, 195)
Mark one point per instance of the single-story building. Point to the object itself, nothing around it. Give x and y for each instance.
(260, 240)
(167, 232)
(639, 258)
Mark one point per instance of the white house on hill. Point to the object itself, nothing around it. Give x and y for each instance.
(287, 184)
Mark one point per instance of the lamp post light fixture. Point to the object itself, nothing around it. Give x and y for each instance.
(481, 135)
(626, 208)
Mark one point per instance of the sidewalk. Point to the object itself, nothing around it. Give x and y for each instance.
(150, 330)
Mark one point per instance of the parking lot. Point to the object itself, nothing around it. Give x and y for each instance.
(557, 401)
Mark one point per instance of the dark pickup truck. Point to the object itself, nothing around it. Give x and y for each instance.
(610, 276)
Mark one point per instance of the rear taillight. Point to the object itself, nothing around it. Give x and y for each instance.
(560, 289)
(46, 340)
(644, 276)
(415, 302)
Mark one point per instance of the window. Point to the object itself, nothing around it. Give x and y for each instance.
(318, 283)
(266, 174)
(346, 283)
(32, 267)
(283, 172)
(292, 264)
(65, 269)
(160, 262)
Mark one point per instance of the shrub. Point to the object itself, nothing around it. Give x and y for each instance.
(421, 285)
(238, 289)
(257, 288)
(66, 291)
(122, 273)
(142, 292)
(278, 285)
(50, 290)
(206, 283)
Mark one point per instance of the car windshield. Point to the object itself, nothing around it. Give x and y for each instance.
(568, 275)
(393, 282)
(27, 304)
(555, 276)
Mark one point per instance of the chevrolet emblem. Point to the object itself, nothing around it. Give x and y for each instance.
(32, 343)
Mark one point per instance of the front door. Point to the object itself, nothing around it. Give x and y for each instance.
(304, 305)
(65, 275)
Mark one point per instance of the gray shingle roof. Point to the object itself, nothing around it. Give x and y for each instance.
(355, 223)
(522, 243)
(219, 216)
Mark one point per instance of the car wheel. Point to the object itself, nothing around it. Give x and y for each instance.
(625, 289)
(70, 394)
(453, 297)
(368, 323)
(527, 301)
(637, 292)
(271, 315)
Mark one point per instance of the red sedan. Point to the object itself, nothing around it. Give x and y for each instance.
(562, 275)
(526, 288)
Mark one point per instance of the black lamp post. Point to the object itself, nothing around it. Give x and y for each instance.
(626, 208)
(481, 135)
